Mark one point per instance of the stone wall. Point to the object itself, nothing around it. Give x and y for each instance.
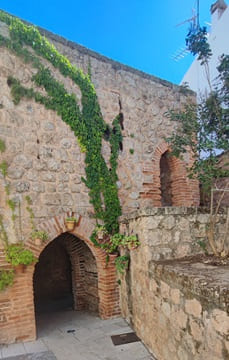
(45, 162)
(179, 310)
(172, 232)
(44, 158)
(178, 307)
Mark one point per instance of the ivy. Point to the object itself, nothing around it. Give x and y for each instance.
(87, 124)
(122, 263)
(39, 234)
(6, 278)
(3, 168)
(3, 233)
(2, 146)
(17, 254)
(111, 244)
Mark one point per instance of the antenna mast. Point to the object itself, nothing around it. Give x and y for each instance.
(195, 23)
(198, 14)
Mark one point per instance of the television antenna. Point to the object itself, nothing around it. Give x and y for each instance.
(195, 23)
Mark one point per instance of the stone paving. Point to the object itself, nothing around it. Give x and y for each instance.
(91, 340)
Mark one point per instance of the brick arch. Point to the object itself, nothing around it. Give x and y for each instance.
(55, 226)
(18, 317)
(185, 192)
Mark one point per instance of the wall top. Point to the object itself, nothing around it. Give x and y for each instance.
(170, 210)
(117, 66)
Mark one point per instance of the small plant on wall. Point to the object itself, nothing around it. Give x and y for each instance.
(2, 146)
(122, 263)
(6, 279)
(101, 232)
(70, 223)
(111, 245)
(39, 236)
(18, 256)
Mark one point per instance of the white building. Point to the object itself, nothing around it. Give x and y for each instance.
(218, 40)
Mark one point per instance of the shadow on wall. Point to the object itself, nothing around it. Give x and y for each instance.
(166, 182)
(53, 279)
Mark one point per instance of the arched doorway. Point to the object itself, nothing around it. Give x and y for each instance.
(65, 279)
(52, 279)
(66, 276)
(20, 297)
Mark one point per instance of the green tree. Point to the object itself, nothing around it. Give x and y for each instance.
(203, 128)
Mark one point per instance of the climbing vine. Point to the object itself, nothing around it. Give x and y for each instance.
(6, 278)
(87, 124)
(16, 254)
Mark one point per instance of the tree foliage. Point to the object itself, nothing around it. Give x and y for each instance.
(197, 44)
(204, 127)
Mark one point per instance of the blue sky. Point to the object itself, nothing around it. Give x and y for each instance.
(139, 33)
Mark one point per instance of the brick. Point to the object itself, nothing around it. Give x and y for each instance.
(18, 322)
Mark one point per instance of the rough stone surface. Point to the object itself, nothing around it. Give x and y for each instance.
(186, 301)
(45, 150)
(193, 307)
(187, 227)
(186, 304)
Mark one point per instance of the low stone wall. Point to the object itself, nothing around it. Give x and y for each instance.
(179, 310)
(171, 232)
(178, 307)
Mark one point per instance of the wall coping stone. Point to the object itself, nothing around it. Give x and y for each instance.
(170, 210)
(208, 283)
(117, 66)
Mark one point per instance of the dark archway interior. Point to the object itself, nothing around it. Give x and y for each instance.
(53, 279)
(165, 178)
(66, 277)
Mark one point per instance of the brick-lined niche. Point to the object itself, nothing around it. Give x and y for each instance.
(85, 281)
(165, 181)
